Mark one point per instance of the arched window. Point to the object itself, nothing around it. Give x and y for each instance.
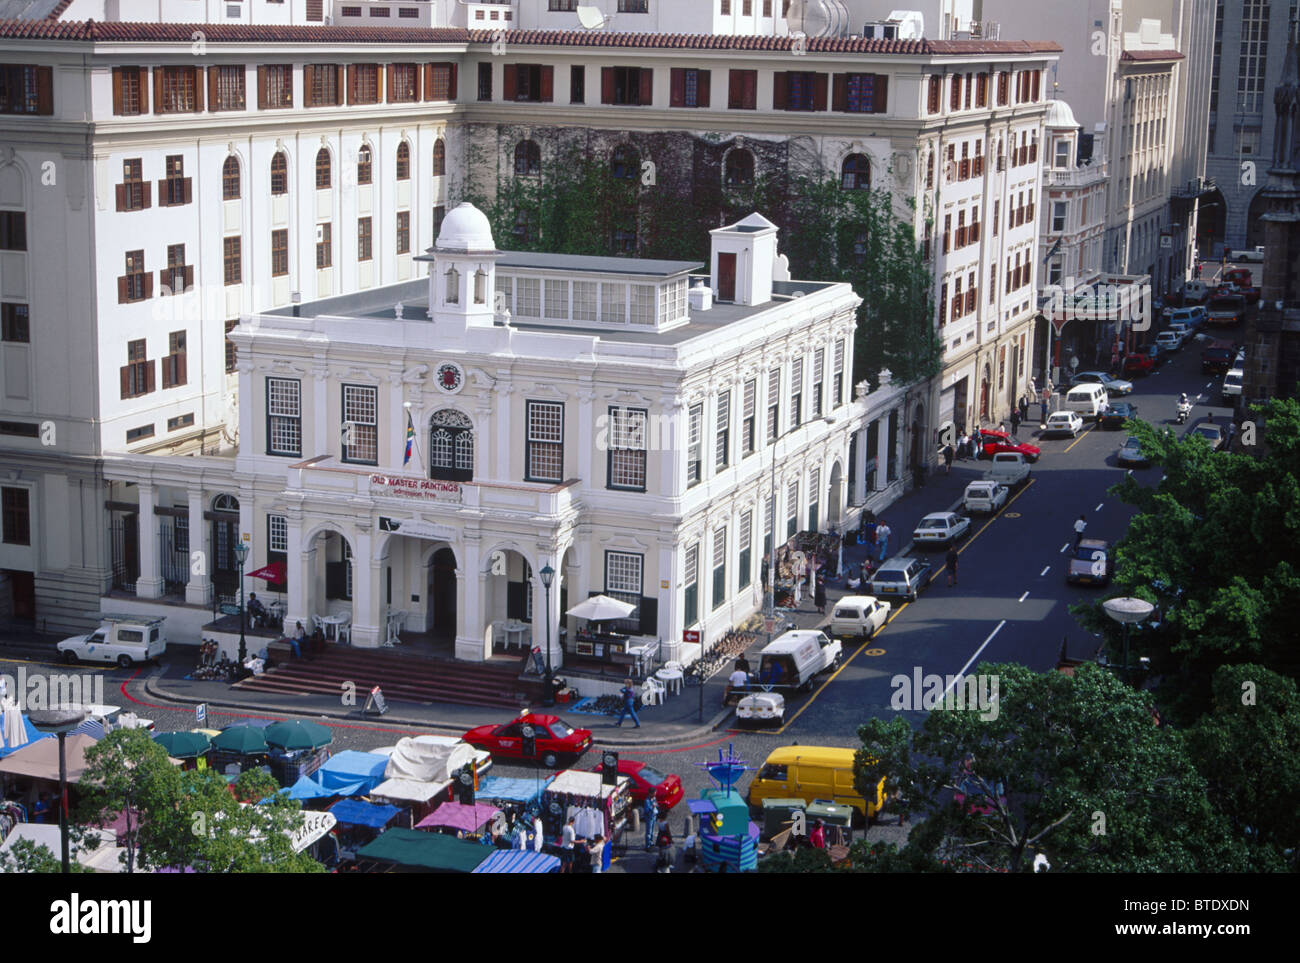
(403, 161)
(363, 164)
(439, 157)
(480, 286)
(528, 159)
(625, 163)
(322, 170)
(855, 175)
(739, 168)
(525, 227)
(453, 286)
(279, 173)
(451, 446)
(230, 179)
(225, 503)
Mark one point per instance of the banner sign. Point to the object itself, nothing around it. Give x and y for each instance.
(410, 487)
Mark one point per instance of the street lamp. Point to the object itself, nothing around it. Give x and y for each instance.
(1127, 610)
(60, 722)
(241, 556)
(547, 573)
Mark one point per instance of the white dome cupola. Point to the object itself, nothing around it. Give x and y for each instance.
(462, 277)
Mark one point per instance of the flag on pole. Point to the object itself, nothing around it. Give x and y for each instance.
(1052, 253)
(410, 439)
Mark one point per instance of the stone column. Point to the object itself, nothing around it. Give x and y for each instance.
(883, 454)
(365, 592)
(198, 590)
(473, 641)
(397, 417)
(150, 584)
(501, 430)
(245, 401)
(321, 441)
(860, 467)
(298, 562)
(587, 434)
(670, 605)
(672, 479)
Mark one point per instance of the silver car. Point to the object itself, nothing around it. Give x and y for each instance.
(1113, 386)
(904, 576)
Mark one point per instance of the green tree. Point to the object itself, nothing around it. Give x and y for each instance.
(1072, 767)
(26, 856)
(1213, 547)
(1247, 748)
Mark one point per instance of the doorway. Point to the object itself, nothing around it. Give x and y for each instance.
(22, 595)
(442, 594)
(726, 277)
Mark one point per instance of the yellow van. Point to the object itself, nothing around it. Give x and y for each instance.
(811, 773)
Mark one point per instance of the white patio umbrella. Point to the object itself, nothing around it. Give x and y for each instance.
(15, 733)
(601, 608)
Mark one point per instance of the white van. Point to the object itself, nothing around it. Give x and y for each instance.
(1087, 400)
(791, 661)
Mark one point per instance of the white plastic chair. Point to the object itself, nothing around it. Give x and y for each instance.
(343, 632)
(652, 692)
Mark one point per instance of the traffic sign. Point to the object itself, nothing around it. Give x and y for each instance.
(201, 713)
(769, 626)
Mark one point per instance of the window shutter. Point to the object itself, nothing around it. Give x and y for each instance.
(340, 85)
(649, 616)
(839, 98)
(548, 84)
(167, 372)
(124, 372)
(647, 87)
(197, 74)
(428, 81)
(308, 78)
(144, 89)
(379, 84)
(606, 85)
(736, 89)
(880, 96)
(146, 194)
(189, 277)
(180, 369)
(261, 88)
(157, 90)
(213, 74)
(121, 299)
(389, 71)
(677, 87)
(45, 90)
(120, 191)
(117, 93)
(510, 82)
(820, 83)
(188, 190)
(148, 288)
(702, 88)
(149, 383)
(352, 83)
(451, 82)
(779, 91)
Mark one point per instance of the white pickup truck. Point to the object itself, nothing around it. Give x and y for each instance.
(124, 639)
(1255, 254)
(1009, 468)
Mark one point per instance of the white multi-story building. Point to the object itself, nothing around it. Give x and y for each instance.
(256, 166)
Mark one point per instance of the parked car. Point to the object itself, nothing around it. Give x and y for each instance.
(1009, 468)
(905, 575)
(994, 442)
(1216, 360)
(1232, 384)
(1115, 414)
(1091, 563)
(861, 615)
(940, 528)
(1212, 434)
(1251, 294)
(124, 639)
(1131, 455)
(1139, 364)
(644, 779)
(1193, 316)
(1063, 423)
(1239, 275)
(1113, 386)
(761, 707)
(555, 739)
(1169, 340)
(985, 496)
(792, 659)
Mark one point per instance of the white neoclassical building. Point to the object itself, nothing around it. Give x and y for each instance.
(600, 416)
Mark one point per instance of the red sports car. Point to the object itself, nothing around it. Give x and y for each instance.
(646, 779)
(993, 442)
(556, 739)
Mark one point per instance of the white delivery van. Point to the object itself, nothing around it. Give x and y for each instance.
(1086, 400)
(791, 661)
(861, 615)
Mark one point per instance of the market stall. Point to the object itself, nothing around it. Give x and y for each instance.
(461, 819)
(595, 640)
(508, 793)
(360, 822)
(596, 807)
(413, 851)
(350, 768)
(416, 797)
(519, 861)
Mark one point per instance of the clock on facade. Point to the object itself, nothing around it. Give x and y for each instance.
(449, 378)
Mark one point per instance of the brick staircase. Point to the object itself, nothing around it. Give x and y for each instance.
(403, 678)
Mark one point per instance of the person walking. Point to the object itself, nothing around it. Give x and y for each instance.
(1079, 528)
(882, 536)
(650, 815)
(1015, 420)
(948, 454)
(1024, 408)
(951, 561)
(963, 446)
(739, 679)
(629, 705)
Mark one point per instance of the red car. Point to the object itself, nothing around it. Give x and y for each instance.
(646, 779)
(995, 442)
(556, 740)
(1138, 363)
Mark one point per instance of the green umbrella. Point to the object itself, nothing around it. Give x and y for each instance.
(183, 745)
(298, 735)
(244, 740)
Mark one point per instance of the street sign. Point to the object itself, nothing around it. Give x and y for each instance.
(375, 702)
(201, 713)
(691, 635)
(769, 626)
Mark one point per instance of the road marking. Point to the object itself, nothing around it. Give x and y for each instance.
(1080, 438)
(875, 652)
(1045, 570)
(1023, 597)
(1064, 547)
(1098, 508)
(963, 669)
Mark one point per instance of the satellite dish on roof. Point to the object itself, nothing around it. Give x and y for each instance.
(591, 18)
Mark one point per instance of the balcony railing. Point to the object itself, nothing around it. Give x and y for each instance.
(1197, 187)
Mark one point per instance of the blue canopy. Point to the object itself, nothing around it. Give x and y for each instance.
(506, 789)
(518, 861)
(32, 735)
(91, 728)
(308, 788)
(349, 768)
(354, 812)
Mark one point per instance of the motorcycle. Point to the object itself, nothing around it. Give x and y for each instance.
(1184, 409)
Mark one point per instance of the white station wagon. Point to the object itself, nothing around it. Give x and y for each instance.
(985, 496)
(1063, 423)
(940, 528)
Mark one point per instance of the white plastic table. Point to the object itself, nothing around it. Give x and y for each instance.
(395, 622)
(515, 634)
(671, 678)
(333, 622)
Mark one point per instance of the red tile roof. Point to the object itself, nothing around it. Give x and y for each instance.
(57, 12)
(1150, 55)
(90, 30)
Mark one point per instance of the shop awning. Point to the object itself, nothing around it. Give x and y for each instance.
(506, 789)
(409, 790)
(308, 788)
(412, 847)
(40, 759)
(350, 767)
(518, 861)
(354, 812)
(454, 815)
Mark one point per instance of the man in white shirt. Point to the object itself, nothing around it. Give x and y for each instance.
(738, 679)
(568, 836)
(1079, 528)
(597, 850)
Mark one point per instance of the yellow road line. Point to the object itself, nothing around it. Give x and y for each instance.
(893, 615)
(1080, 438)
(38, 662)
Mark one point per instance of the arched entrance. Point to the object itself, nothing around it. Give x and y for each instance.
(224, 517)
(986, 414)
(1254, 226)
(330, 583)
(508, 595)
(441, 614)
